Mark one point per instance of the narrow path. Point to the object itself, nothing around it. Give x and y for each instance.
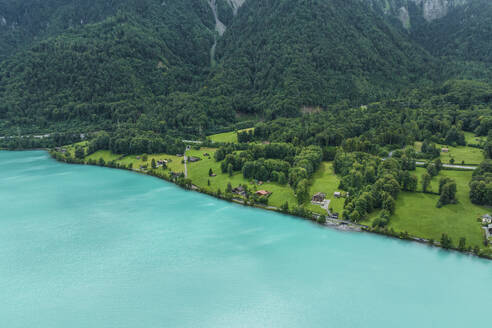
(198, 142)
(451, 166)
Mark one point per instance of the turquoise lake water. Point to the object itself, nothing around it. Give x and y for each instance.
(93, 247)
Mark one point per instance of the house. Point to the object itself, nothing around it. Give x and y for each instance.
(260, 182)
(445, 150)
(318, 197)
(161, 162)
(263, 193)
(487, 219)
(206, 154)
(239, 191)
(337, 194)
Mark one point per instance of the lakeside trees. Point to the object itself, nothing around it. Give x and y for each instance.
(481, 184)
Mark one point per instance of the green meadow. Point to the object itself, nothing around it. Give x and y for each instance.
(460, 154)
(325, 180)
(198, 173)
(229, 137)
(471, 138)
(417, 213)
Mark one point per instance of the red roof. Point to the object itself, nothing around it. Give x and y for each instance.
(262, 192)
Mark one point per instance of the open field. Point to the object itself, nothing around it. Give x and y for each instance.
(417, 213)
(71, 148)
(198, 173)
(325, 180)
(468, 155)
(471, 138)
(104, 154)
(227, 136)
(174, 163)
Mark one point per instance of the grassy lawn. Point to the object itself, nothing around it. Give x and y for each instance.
(471, 138)
(107, 155)
(198, 173)
(417, 213)
(227, 136)
(325, 180)
(468, 155)
(71, 148)
(174, 163)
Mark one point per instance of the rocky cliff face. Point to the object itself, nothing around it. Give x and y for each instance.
(435, 9)
(235, 4)
(408, 11)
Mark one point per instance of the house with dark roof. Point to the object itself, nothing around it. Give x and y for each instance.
(241, 191)
(318, 197)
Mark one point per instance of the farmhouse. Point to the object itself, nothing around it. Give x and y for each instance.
(487, 219)
(445, 150)
(318, 197)
(337, 194)
(262, 193)
(239, 191)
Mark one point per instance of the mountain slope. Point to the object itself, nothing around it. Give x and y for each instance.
(109, 71)
(90, 65)
(412, 14)
(464, 33)
(279, 56)
(22, 22)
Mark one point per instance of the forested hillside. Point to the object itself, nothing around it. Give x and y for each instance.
(111, 71)
(281, 55)
(462, 40)
(153, 65)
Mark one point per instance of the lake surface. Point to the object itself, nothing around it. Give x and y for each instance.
(85, 246)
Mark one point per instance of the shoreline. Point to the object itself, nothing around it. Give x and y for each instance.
(336, 224)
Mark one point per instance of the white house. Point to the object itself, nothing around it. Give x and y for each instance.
(486, 219)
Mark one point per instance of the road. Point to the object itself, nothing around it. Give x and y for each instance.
(451, 166)
(198, 142)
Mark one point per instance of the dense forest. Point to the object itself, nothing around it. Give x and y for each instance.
(86, 66)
